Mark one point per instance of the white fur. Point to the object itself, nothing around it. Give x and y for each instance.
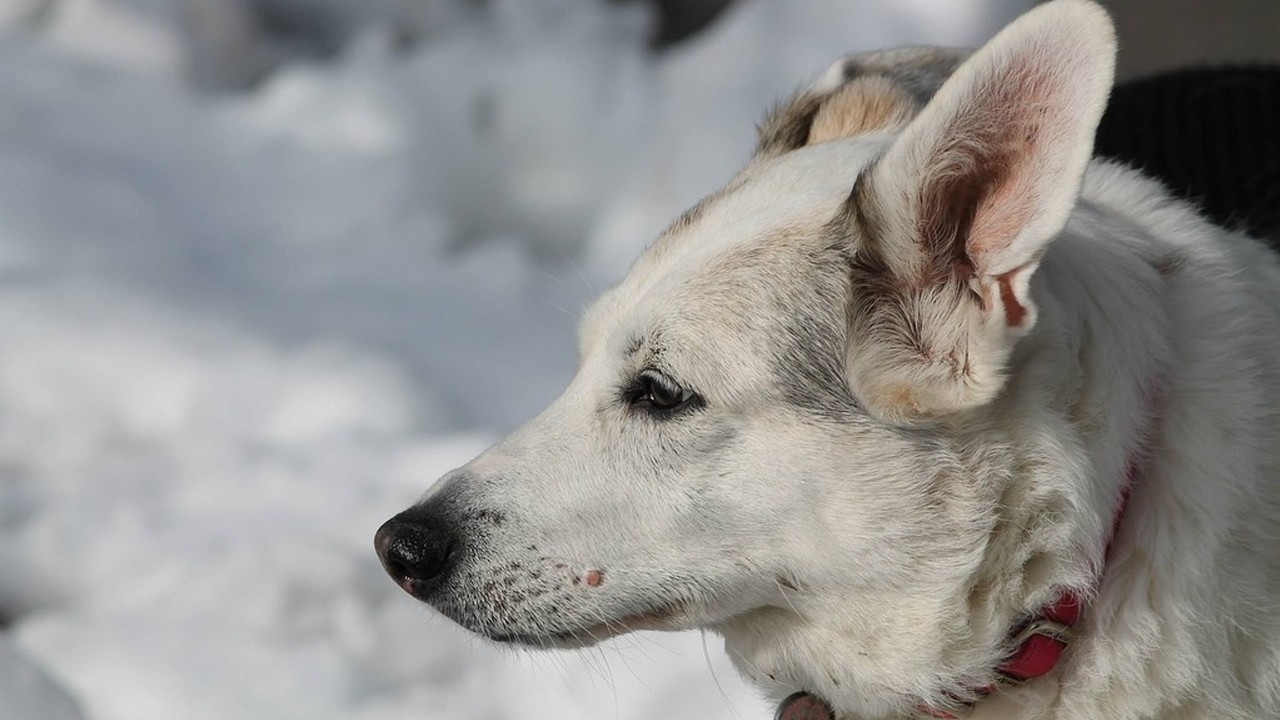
(880, 555)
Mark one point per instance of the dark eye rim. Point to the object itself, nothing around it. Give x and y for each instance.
(654, 392)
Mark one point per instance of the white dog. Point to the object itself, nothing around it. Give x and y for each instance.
(925, 413)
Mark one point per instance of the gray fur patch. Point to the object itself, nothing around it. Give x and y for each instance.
(809, 359)
(919, 71)
(786, 126)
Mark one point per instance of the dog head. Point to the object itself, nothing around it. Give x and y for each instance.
(787, 421)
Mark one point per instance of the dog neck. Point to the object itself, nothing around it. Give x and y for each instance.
(1039, 642)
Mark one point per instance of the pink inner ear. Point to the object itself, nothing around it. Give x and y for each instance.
(983, 180)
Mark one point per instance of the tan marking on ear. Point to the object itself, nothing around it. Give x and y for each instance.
(898, 401)
(1014, 312)
(865, 105)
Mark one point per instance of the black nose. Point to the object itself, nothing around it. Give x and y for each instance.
(415, 549)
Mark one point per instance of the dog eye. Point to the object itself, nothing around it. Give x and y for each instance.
(658, 393)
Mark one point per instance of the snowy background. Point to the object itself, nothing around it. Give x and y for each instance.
(270, 267)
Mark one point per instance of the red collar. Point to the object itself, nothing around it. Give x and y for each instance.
(1039, 642)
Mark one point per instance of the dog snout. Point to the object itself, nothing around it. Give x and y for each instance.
(416, 548)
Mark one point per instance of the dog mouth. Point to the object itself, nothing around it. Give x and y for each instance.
(668, 618)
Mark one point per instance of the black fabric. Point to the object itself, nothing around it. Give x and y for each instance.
(1211, 134)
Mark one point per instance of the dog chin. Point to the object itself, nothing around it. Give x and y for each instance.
(589, 635)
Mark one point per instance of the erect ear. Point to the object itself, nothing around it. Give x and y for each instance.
(958, 212)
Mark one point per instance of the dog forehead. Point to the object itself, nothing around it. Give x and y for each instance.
(739, 246)
(770, 198)
(761, 217)
(743, 262)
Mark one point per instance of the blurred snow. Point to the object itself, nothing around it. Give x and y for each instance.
(243, 328)
(26, 692)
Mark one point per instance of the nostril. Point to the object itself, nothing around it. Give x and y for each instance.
(417, 556)
(412, 551)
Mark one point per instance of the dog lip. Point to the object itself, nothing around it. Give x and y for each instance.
(653, 619)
